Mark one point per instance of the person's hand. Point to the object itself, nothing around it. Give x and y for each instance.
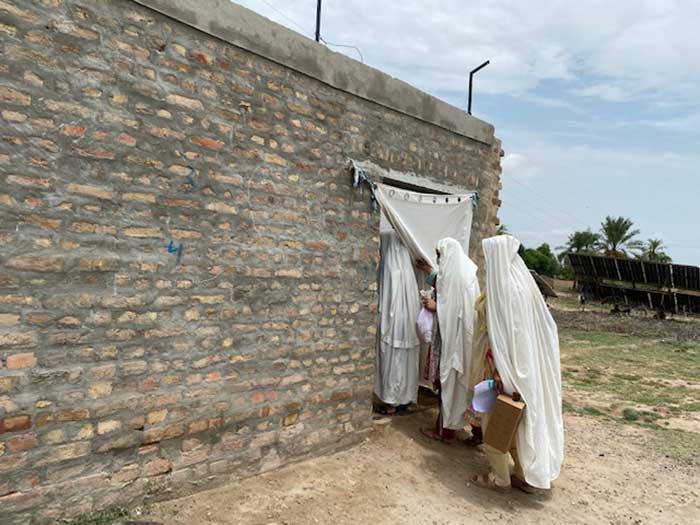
(497, 383)
(424, 266)
(429, 304)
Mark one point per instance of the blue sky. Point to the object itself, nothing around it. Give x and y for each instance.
(597, 104)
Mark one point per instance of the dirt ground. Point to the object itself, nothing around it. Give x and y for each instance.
(631, 388)
(398, 476)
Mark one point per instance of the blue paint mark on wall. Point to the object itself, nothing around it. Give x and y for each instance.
(190, 179)
(179, 250)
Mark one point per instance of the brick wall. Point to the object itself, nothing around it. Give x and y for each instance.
(163, 328)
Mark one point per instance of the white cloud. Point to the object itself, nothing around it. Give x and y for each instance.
(686, 122)
(519, 166)
(605, 92)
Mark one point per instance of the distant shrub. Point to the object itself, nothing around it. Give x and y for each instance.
(630, 414)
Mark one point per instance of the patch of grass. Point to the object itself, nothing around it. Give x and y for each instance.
(106, 517)
(632, 369)
(677, 444)
(567, 407)
(630, 372)
(630, 414)
(600, 338)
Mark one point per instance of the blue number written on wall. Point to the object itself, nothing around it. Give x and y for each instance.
(179, 250)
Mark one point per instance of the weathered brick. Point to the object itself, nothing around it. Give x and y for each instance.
(44, 222)
(208, 143)
(69, 108)
(8, 383)
(21, 443)
(18, 339)
(29, 182)
(139, 197)
(9, 319)
(77, 414)
(63, 453)
(166, 133)
(92, 191)
(143, 232)
(274, 159)
(14, 116)
(24, 360)
(156, 467)
(95, 153)
(36, 263)
(99, 265)
(157, 416)
(73, 130)
(126, 474)
(104, 427)
(185, 102)
(99, 229)
(15, 423)
(221, 207)
(14, 96)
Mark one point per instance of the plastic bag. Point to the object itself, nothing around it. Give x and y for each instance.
(424, 321)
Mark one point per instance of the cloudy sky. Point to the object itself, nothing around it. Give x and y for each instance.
(597, 103)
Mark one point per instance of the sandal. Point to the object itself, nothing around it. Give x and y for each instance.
(476, 438)
(384, 411)
(486, 481)
(431, 434)
(523, 485)
(402, 410)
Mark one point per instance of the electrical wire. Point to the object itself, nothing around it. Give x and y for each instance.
(561, 212)
(362, 58)
(286, 17)
(303, 31)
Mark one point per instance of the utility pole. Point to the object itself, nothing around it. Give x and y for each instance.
(471, 76)
(318, 21)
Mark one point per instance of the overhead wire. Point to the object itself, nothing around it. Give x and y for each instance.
(286, 17)
(553, 208)
(309, 34)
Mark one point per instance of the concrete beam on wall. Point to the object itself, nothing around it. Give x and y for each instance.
(248, 30)
(379, 174)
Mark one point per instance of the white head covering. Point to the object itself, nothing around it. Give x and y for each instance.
(457, 291)
(525, 347)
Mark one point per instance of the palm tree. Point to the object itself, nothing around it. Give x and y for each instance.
(582, 242)
(502, 230)
(655, 251)
(617, 237)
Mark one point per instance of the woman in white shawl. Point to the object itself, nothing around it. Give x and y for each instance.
(525, 347)
(457, 289)
(398, 347)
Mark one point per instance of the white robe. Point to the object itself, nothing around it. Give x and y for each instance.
(525, 347)
(396, 377)
(457, 291)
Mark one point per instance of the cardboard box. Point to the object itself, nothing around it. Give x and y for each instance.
(503, 423)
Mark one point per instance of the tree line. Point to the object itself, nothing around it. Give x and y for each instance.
(617, 237)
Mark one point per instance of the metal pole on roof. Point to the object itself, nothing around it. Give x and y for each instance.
(318, 21)
(471, 77)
